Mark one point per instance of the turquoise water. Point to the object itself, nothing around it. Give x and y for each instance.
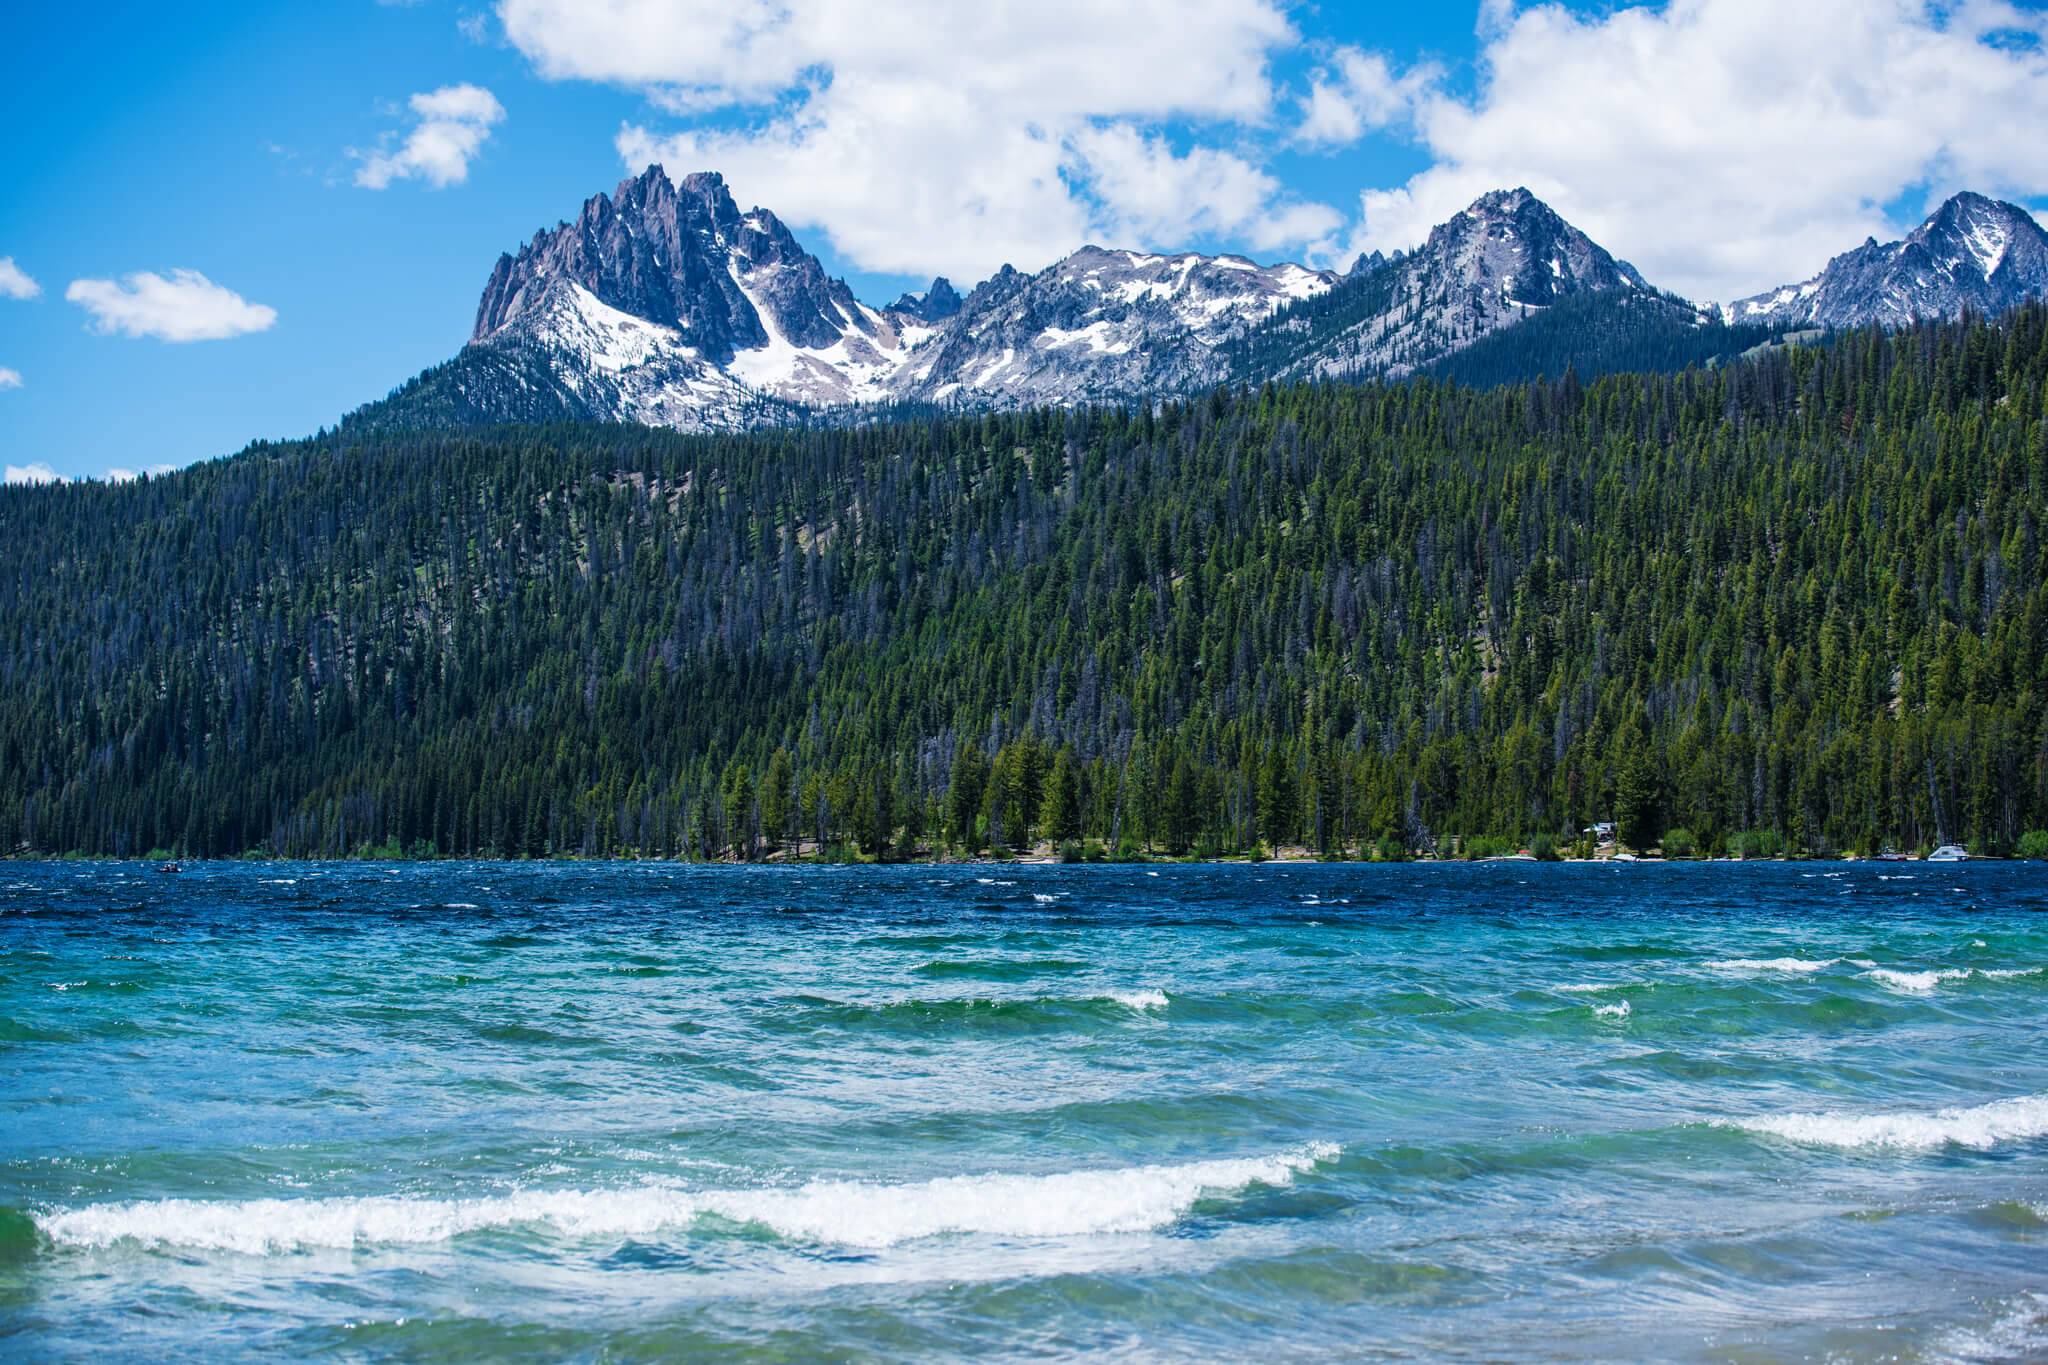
(1506, 1110)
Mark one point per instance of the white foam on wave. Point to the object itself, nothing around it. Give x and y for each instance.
(1983, 1125)
(1589, 987)
(1138, 1000)
(1794, 965)
(1915, 983)
(1618, 1010)
(852, 1213)
(2018, 1333)
(1925, 982)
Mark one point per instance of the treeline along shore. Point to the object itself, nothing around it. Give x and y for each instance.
(1799, 602)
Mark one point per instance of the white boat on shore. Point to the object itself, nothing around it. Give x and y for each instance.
(1949, 853)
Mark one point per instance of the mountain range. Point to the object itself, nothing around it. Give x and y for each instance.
(664, 304)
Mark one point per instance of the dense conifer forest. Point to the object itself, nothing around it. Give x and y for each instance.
(1799, 601)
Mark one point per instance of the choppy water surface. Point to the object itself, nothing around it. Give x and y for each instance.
(1504, 1110)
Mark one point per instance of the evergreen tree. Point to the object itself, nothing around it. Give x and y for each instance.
(964, 796)
(1639, 802)
(778, 798)
(1061, 817)
(1279, 807)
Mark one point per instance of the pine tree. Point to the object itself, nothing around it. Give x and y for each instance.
(778, 800)
(1061, 818)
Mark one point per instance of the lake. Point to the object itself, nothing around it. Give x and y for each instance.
(535, 1111)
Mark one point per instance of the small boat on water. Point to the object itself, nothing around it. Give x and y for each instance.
(173, 866)
(1949, 853)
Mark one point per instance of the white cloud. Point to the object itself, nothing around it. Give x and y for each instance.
(1727, 146)
(927, 136)
(185, 307)
(1359, 93)
(1149, 193)
(454, 123)
(14, 281)
(9, 378)
(20, 474)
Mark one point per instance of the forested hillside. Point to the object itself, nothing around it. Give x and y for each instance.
(1803, 597)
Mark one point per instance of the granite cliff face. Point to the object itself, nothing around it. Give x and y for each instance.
(1972, 252)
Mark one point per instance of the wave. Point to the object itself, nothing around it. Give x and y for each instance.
(2018, 1333)
(1618, 1010)
(1925, 982)
(1138, 1000)
(850, 1213)
(1979, 1126)
(1795, 965)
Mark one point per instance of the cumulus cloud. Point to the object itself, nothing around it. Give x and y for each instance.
(925, 135)
(185, 307)
(454, 123)
(14, 281)
(1359, 93)
(9, 378)
(1146, 192)
(1727, 146)
(19, 474)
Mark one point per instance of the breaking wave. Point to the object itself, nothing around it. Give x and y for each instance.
(1979, 1126)
(1924, 982)
(851, 1213)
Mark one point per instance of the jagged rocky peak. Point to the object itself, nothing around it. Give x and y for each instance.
(935, 304)
(1500, 259)
(1986, 237)
(680, 254)
(1513, 242)
(1971, 252)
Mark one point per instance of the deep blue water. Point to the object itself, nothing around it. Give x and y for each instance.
(1501, 1110)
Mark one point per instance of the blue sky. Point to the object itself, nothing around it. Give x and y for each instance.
(1723, 145)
